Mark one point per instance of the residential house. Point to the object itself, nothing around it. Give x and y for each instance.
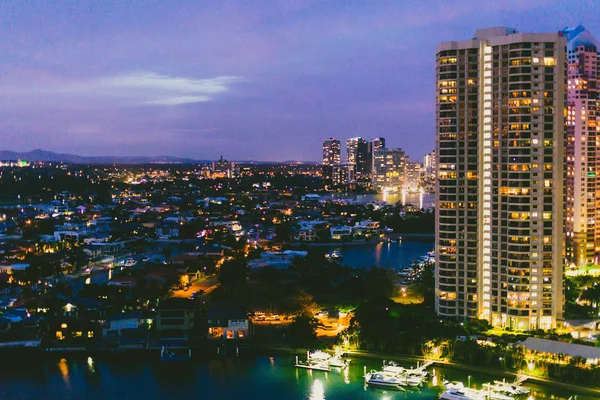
(168, 230)
(128, 329)
(341, 232)
(228, 322)
(175, 318)
(73, 329)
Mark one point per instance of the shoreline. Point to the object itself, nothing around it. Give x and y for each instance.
(425, 237)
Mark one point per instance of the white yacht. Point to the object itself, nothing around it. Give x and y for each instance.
(393, 368)
(337, 361)
(318, 355)
(382, 379)
(318, 360)
(458, 391)
(458, 394)
(511, 389)
(316, 365)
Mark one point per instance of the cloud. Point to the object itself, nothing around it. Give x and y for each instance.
(155, 89)
(135, 88)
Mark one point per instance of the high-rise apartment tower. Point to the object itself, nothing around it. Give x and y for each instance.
(500, 185)
(357, 154)
(583, 122)
(331, 151)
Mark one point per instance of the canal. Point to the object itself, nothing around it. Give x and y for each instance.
(145, 377)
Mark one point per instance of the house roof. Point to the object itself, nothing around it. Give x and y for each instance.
(126, 315)
(175, 304)
(226, 311)
(568, 349)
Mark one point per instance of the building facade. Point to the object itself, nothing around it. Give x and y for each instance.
(344, 174)
(374, 145)
(331, 151)
(331, 156)
(413, 177)
(583, 183)
(429, 163)
(357, 155)
(500, 145)
(389, 170)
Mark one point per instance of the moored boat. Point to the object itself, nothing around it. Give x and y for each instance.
(382, 379)
(334, 256)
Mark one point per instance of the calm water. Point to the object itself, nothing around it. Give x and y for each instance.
(81, 377)
(425, 200)
(385, 255)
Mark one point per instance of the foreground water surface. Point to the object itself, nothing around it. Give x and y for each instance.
(263, 377)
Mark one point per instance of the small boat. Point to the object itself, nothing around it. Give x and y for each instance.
(511, 389)
(334, 256)
(458, 394)
(381, 379)
(337, 361)
(318, 365)
(392, 367)
(317, 355)
(458, 391)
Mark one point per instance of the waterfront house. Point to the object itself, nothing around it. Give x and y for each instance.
(72, 329)
(175, 318)
(228, 322)
(341, 233)
(126, 329)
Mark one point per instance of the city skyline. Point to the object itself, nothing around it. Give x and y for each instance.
(262, 82)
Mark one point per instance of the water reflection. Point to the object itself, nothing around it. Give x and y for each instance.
(317, 391)
(63, 367)
(90, 363)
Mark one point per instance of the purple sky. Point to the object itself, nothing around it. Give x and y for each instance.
(260, 80)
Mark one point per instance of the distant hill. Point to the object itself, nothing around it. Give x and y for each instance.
(48, 156)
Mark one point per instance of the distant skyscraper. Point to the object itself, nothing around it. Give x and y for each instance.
(583, 164)
(374, 145)
(389, 169)
(429, 163)
(331, 151)
(500, 186)
(224, 169)
(356, 154)
(412, 177)
(331, 156)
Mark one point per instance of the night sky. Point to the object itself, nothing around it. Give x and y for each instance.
(249, 79)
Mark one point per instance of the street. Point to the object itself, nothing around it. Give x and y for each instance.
(206, 283)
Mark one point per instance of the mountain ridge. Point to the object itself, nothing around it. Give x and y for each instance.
(49, 156)
(37, 155)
